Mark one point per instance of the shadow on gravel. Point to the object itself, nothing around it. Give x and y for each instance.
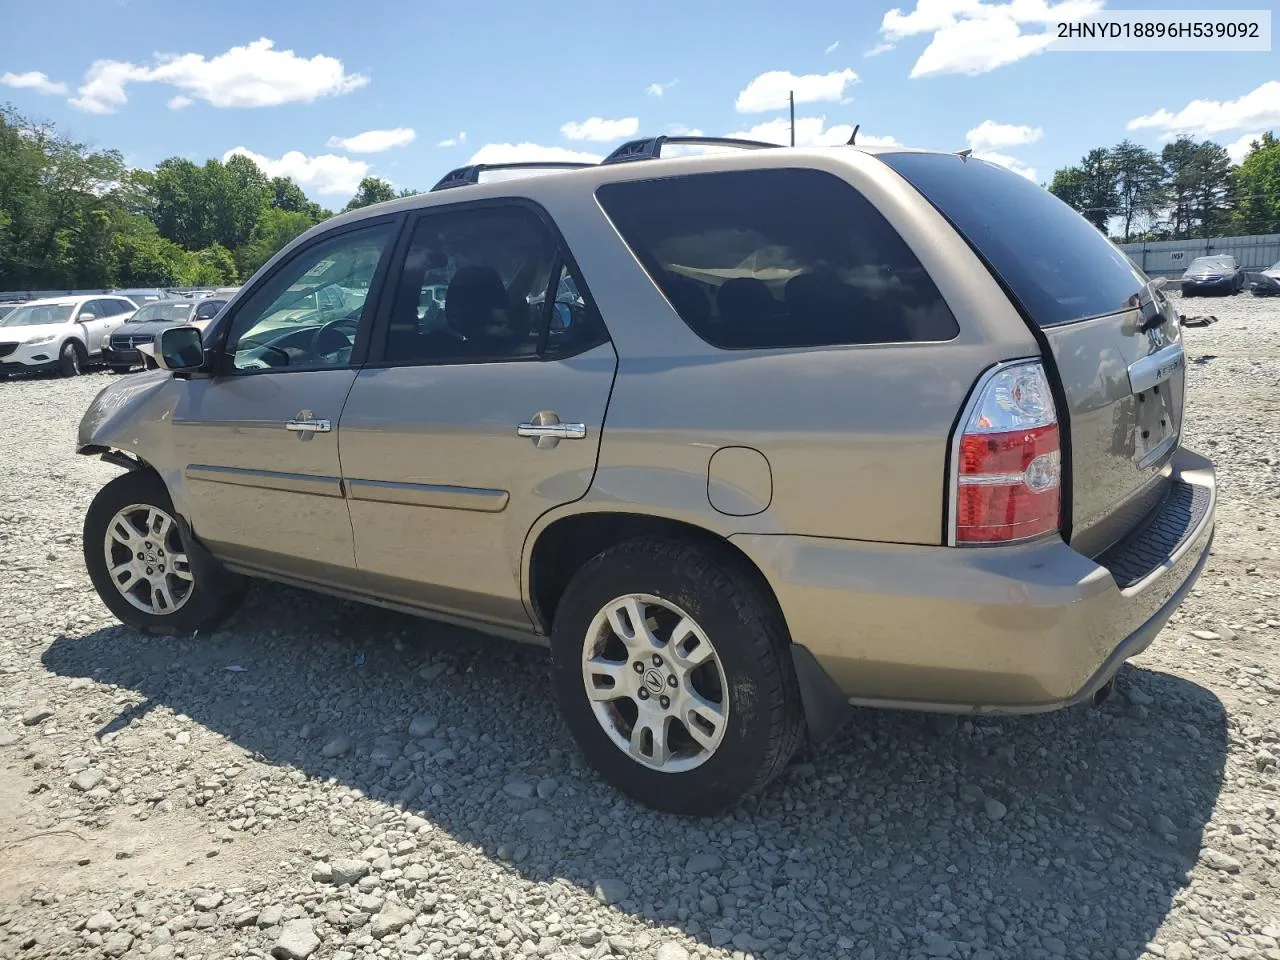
(1060, 835)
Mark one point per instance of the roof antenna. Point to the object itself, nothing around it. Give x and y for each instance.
(965, 153)
(854, 136)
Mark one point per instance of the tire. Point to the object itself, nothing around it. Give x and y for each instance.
(71, 359)
(760, 698)
(201, 592)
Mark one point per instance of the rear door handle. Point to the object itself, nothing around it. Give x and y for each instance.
(309, 426)
(557, 431)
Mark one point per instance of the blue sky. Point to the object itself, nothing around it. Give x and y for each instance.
(297, 84)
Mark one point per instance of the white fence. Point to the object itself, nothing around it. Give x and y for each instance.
(1168, 258)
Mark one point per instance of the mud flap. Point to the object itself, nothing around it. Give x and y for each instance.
(825, 707)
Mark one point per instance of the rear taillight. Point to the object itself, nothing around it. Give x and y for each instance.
(1007, 470)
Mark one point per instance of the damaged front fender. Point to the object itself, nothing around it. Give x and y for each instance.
(123, 416)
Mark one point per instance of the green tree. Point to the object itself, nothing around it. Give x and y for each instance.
(1178, 160)
(1069, 186)
(181, 203)
(1212, 188)
(56, 207)
(1139, 184)
(274, 229)
(211, 267)
(1100, 199)
(1257, 188)
(371, 190)
(143, 258)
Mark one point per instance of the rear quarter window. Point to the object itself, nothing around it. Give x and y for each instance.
(777, 258)
(1054, 263)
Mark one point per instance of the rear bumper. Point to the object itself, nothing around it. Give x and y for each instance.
(1004, 630)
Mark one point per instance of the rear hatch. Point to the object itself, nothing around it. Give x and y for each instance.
(1112, 340)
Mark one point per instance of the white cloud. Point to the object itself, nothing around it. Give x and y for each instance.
(254, 75)
(989, 135)
(988, 138)
(373, 141)
(601, 130)
(658, 89)
(1239, 149)
(831, 48)
(33, 80)
(324, 174)
(103, 87)
(769, 90)
(529, 152)
(1013, 163)
(878, 49)
(180, 103)
(810, 132)
(454, 141)
(1257, 109)
(973, 36)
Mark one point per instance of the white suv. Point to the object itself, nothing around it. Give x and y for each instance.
(60, 333)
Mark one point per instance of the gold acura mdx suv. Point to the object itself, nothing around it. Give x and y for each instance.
(744, 436)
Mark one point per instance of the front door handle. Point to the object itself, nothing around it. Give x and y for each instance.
(558, 431)
(309, 426)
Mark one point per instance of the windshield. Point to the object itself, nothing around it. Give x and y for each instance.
(1211, 263)
(36, 314)
(162, 311)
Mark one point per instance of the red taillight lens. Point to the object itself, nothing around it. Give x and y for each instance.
(1008, 465)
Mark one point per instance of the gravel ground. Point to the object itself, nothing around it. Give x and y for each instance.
(327, 780)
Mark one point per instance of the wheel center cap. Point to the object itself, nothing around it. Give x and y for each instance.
(653, 681)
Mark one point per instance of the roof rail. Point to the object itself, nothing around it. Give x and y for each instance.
(471, 174)
(650, 148)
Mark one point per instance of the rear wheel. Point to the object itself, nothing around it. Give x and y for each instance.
(142, 566)
(674, 674)
(71, 359)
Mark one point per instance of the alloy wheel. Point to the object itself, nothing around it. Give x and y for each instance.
(146, 560)
(655, 683)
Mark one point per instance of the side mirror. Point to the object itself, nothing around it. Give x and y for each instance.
(86, 316)
(180, 348)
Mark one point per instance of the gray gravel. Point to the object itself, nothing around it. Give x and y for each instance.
(427, 801)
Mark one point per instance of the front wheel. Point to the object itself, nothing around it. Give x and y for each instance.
(674, 674)
(71, 359)
(142, 566)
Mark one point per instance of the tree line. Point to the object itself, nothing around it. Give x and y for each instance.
(74, 217)
(1189, 190)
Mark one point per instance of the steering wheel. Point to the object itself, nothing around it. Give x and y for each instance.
(264, 361)
(332, 338)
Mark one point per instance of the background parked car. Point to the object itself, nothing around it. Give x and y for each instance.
(1214, 274)
(61, 333)
(122, 353)
(144, 295)
(1267, 282)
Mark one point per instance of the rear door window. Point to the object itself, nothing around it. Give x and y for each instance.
(1056, 264)
(777, 258)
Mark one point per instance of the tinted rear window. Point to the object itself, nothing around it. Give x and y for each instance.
(1053, 261)
(777, 258)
